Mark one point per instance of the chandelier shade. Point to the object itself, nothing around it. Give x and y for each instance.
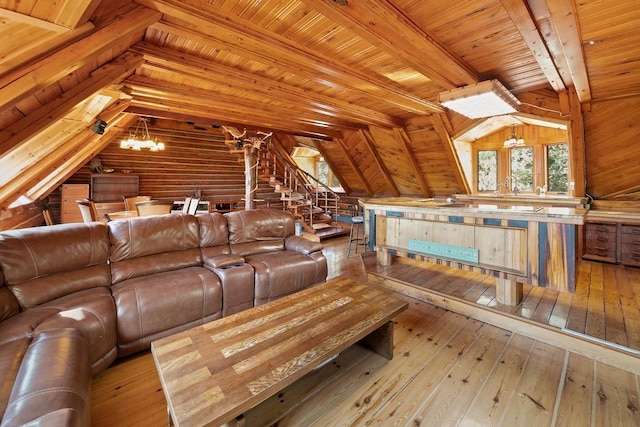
(140, 139)
(515, 140)
(485, 99)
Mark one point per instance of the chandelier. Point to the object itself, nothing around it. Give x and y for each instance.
(140, 139)
(515, 140)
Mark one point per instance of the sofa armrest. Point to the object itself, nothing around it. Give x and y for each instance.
(302, 245)
(222, 261)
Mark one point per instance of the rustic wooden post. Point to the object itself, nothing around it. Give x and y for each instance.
(250, 175)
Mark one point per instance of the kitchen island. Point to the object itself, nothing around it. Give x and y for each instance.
(515, 244)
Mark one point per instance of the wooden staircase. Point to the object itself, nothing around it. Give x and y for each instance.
(311, 202)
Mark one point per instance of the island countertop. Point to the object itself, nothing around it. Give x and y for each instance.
(563, 215)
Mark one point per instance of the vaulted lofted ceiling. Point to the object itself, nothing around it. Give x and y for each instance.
(357, 79)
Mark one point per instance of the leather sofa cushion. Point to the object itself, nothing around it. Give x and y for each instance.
(213, 230)
(154, 244)
(44, 263)
(139, 237)
(150, 307)
(53, 381)
(8, 304)
(259, 224)
(93, 313)
(11, 355)
(280, 273)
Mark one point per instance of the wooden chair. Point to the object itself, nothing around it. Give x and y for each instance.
(130, 201)
(46, 214)
(187, 203)
(88, 210)
(153, 207)
(193, 205)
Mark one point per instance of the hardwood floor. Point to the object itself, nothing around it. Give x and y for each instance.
(448, 368)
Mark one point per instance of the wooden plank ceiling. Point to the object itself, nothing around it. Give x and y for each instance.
(358, 79)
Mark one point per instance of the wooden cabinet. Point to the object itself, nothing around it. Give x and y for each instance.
(630, 244)
(69, 211)
(601, 242)
(111, 187)
(612, 242)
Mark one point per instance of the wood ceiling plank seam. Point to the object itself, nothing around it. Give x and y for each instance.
(374, 21)
(21, 83)
(564, 18)
(404, 141)
(202, 70)
(369, 140)
(522, 19)
(297, 58)
(41, 118)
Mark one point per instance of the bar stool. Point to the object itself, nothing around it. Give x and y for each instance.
(357, 226)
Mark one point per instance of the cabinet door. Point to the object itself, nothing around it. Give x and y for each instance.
(69, 211)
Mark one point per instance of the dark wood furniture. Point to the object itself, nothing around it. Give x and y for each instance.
(213, 373)
(612, 237)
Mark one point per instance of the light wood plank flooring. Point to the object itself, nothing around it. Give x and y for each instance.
(606, 304)
(448, 369)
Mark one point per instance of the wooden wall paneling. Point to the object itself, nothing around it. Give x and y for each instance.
(395, 160)
(193, 159)
(434, 161)
(611, 135)
(361, 156)
(29, 215)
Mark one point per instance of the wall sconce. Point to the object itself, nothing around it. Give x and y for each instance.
(99, 126)
(485, 99)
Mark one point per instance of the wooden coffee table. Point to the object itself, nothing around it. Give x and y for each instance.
(212, 374)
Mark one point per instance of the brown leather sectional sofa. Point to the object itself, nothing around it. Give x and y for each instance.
(74, 297)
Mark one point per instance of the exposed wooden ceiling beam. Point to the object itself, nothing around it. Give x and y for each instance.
(332, 165)
(354, 166)
(226, 115)
(89, 145)
(402, 137)
(254, 42)
(369, 141)
(39, 119)
(524, 22)
(277, 110)
(172, 61)
(19, 84)
(68, 14)
(385, 26)
(441, 124)
(564, 17)
(42, 157)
